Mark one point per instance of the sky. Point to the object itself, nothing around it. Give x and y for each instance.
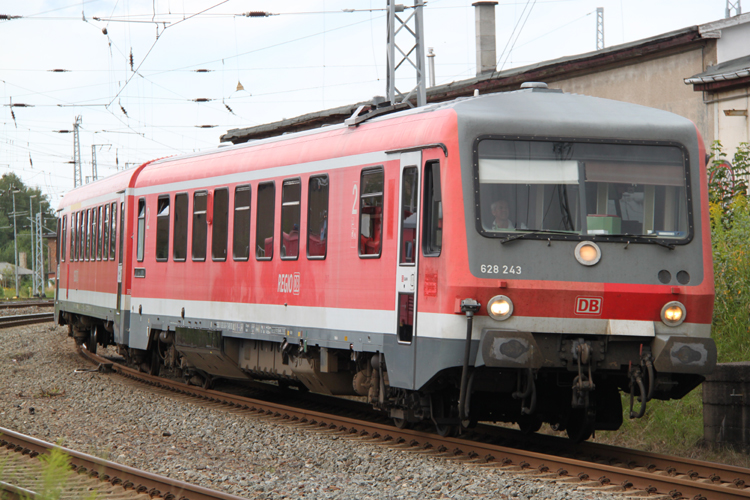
(156, 78)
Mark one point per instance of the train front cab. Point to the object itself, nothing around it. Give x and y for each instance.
(602, 282)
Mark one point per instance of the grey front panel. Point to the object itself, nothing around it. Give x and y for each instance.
(550, 115)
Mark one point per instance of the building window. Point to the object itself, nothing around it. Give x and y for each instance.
(432, 214)
(264, 221)
(162, 228)
(113, 230)
(290, 218)
(179, 241)
(141, 228)
(317, 217)
(200, 231)
(371, 212)
(219, 231)
(241, 241)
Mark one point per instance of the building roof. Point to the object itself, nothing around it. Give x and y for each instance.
(736, 69)
(6, 267)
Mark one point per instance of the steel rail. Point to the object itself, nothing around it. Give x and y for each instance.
(591, 473)
(26, 319)
(114, 473)
(21, 305)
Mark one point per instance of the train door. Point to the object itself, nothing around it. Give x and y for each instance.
(118, 228)
(406, 273)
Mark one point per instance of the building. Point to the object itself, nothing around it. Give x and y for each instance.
(688, 72)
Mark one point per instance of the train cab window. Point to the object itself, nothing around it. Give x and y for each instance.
(179, 239)
(162, 228)
(371, 212)
(113, 230)
(291, 191)
(220, 226)
(241, 236)
(62, 236)
(141, 229)
(200, 230)
(408, 209)
(105, 233)
(264, 221)
(317, 217)
(582, 188)
(432, 211)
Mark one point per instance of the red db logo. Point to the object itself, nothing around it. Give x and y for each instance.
(589, 305)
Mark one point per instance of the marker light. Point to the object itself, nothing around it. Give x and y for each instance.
(500, 307)
(588, 253)
(673, 313)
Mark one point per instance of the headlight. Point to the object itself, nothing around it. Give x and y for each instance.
(673, 313)
(588, 253)
(500, 307)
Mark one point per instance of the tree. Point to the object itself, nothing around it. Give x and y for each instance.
(25, 196)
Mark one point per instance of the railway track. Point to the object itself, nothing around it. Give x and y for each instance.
(89, 477)
(25, 319)
(590, 465)
(26, 303)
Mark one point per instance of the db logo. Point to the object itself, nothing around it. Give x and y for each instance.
(589, 305)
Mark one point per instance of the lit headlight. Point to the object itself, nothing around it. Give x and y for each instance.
(500, 307)
(673, 313)
(588, 253)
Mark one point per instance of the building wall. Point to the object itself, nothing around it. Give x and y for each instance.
(731, 130)
(657, 83)
(734, 43)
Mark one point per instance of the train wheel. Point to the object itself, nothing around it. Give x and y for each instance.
(529, 425)
(580, 426)
(401, 423)
(91, 340)
(446, 430)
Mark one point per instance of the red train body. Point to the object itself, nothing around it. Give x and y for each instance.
(365, 260)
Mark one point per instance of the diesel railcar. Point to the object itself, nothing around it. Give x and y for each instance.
(520, 257)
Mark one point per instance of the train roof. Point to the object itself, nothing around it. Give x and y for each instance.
(531, 112)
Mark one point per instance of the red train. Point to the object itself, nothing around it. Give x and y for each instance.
(518, 257)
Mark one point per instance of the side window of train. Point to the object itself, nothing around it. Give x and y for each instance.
(179, 241)
(432, 211)
(371, 212)
(82, 236)
(220, 226)
(99, 233)
(291, 190)
(141, 228)
(241, 237)
(162, 228)
(122, 229)
(317, 217)
(105, 233)
(200, 230)
(87, 225)
(93, 222)
(113, 231)
(264, 221)
(74, 236)
(61, 238)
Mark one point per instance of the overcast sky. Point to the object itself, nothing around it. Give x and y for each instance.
(310, 55)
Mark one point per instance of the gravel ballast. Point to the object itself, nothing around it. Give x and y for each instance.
(42, 395)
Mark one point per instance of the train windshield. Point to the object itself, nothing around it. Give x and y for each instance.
(582, 188)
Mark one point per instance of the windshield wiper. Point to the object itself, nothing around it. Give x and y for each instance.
(647, 239)
(530, 232)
